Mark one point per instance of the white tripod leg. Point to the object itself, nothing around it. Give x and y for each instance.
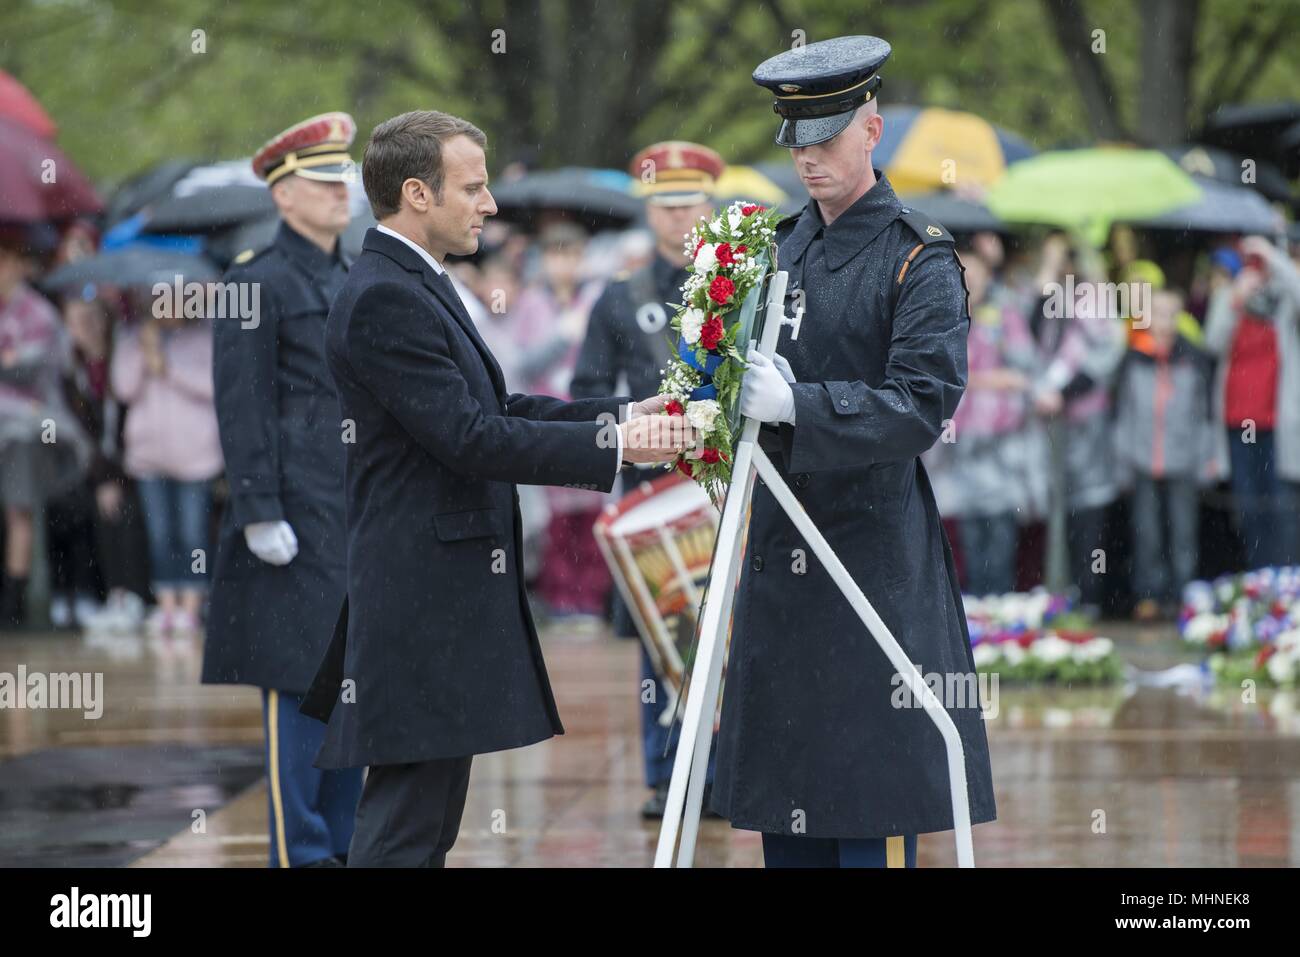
(690, 763)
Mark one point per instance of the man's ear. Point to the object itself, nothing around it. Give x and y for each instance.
(875, 130)
(282, 193)
(418, 194)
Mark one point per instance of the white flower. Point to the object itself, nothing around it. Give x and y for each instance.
(692, 322)
(734, 218)
(986, 655)
(1281, 668)
(1096, 649)
(1289, 642)
(1012, 652)
(702, 414)
(1051, 648)
(706, 258)
(1200, 627)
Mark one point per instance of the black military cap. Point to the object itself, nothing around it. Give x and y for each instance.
(818, 86)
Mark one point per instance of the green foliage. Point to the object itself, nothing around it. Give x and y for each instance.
(580, 81)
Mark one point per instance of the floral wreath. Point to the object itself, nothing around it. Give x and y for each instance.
(730, 255)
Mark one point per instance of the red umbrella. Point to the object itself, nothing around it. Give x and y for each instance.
(18, 104)
(38, 183)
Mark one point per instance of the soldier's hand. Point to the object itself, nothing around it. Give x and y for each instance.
(783, 367)
(765, 395)
(272, 542)
(656, 438)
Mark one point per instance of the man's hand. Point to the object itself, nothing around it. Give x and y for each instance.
(272, 542)
(656, 438)
(651, 406)
(765, 394)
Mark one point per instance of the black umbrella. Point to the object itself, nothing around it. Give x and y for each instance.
(211, 210)
(1256, 129)
(152, 185)
(1222, 208)
(139, 265)
(957, 214)
(1226, 167)
(598, 198)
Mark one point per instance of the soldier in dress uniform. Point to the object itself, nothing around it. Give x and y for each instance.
(279, 578)
(817, 748)
(629, 338)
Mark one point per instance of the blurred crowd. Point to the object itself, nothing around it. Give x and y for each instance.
(1152, 446)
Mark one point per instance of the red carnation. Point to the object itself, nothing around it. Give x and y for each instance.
(711, 332)
(721, 289)
(673, 407)
(684, 467)
(724, 254)
(746, 210)
(709, 455)
(697, 247)
(742, 248)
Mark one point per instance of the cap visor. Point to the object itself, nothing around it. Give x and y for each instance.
(810, 132)
(678, 199)
(334, 173)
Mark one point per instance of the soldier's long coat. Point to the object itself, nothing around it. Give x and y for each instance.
(282, 436)
(811, 738)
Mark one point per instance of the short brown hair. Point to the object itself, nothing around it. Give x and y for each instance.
(409, 146)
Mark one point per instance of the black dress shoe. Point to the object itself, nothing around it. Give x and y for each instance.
(653, 809)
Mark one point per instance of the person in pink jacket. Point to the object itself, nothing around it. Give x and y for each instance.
(162, 374)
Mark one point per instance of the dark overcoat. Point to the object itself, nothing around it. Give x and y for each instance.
(812, 739)
(435, 654)
(278, 415)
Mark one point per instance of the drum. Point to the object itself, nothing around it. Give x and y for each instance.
(658, 543)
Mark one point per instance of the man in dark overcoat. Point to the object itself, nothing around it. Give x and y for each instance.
(435, 657)
(820, 747)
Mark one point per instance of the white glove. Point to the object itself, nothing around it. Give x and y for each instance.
(272, 542)
(783, 367)
(765, 395)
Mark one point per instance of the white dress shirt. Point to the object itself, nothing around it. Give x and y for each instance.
(424, 253)
(437, 268)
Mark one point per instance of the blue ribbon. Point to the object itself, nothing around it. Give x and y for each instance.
(687, 352)
(709, 391)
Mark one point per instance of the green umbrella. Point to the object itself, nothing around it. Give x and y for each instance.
(1087, 190)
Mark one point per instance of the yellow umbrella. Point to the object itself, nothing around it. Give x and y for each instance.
(931, 148)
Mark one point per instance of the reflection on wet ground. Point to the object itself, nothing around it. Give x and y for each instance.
(1160, 771)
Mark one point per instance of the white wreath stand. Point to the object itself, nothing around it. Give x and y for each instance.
(691, 762)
